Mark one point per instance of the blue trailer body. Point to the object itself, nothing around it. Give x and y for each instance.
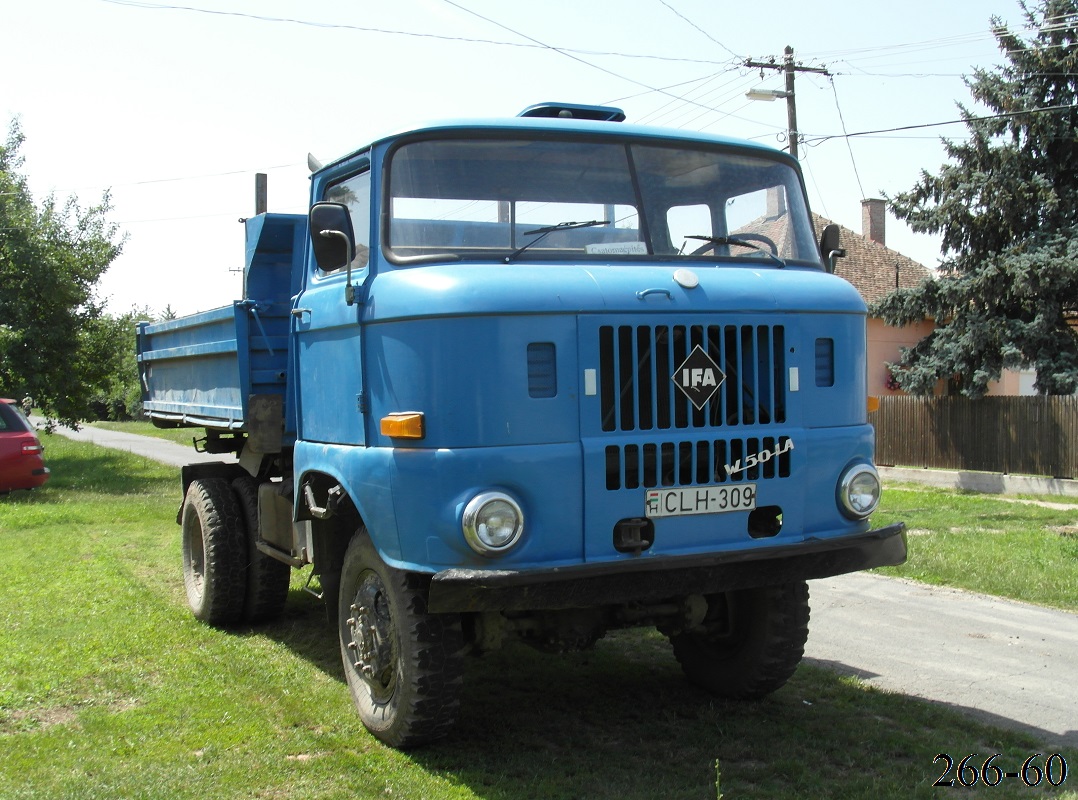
(202, 370)
(661, 424)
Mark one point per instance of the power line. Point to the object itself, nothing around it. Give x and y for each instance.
(670, 86)
(570, 55)
(701, 30)
(849, 147)
(535, 45)
(180, 178)
(1003, 115)
(674, 108)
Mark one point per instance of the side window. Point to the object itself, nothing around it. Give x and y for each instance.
(355, 192)
(685, 221)
(763, 218)
(753, 210)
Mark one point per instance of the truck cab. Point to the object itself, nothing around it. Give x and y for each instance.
(535, 378)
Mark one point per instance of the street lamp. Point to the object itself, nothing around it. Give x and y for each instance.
(767, 95)
(789, 68)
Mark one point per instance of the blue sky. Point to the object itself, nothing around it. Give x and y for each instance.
(173, 107)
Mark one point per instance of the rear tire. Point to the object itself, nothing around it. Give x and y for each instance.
(404, 666)
(214, 552)
(752, 642)
(267, 578)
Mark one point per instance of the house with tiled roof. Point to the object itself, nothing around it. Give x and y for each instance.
(876, 270)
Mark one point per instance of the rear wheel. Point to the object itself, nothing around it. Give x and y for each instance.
(267, 578)
(404, 666)
(751, 642)
(214, 552)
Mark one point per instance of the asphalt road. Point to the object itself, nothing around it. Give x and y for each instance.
(147, 446)
(1011, 664)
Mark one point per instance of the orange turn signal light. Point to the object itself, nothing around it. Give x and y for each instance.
(873, 404)
(404, 425)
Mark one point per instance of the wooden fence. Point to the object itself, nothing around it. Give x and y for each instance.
(1013, 435)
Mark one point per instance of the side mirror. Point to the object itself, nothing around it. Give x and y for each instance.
(829, 246)
(333, 241)
(332, 252)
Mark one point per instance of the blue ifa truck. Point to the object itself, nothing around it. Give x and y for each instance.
(533, 378)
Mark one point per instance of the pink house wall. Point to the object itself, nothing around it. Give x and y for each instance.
(884, 346)
(885, 343)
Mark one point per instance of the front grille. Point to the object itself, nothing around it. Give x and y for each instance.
(637, 362)
(702, 462)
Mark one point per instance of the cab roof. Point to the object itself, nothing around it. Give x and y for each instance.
(563, 118)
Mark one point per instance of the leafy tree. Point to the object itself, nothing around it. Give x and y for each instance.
(119, 396)
(55, 343)
(1006, 295)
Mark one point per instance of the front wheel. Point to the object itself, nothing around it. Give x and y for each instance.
(404, 666)
(751, 642)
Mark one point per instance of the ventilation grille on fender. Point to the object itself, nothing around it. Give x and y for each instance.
(542, 370)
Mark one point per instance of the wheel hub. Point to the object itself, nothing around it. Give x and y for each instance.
(196, 557)
(371, 636)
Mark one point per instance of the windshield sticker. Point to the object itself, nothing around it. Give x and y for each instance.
(617, 249)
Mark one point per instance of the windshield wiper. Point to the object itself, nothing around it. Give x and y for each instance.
(542, 232)
(733, 240)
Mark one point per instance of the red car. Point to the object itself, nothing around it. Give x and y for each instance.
(21, 464)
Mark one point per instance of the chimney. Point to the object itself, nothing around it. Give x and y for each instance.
(874, 220)
(776, 202)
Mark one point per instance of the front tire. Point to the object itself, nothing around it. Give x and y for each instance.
(214, 552)
(404, 666)
(751, 641)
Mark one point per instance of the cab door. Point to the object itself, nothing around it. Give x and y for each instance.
(328, 330)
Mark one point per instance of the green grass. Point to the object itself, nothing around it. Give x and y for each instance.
(110, 689)
(987, 543)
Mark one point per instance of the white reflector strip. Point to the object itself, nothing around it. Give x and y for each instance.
(591, 382)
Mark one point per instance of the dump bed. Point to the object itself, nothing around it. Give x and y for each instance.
(216, 368)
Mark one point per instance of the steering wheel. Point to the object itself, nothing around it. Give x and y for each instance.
(745, 237)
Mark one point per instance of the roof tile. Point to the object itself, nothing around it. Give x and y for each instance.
(873, 269)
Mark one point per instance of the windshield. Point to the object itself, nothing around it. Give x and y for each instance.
(573, 200)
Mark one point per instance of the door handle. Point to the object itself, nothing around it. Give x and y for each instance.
(645, 292)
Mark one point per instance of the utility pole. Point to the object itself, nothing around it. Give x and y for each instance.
(790, 68)
(261, 193)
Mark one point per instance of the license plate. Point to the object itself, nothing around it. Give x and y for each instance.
(699, 500)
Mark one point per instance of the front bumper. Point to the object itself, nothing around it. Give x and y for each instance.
(649, 580)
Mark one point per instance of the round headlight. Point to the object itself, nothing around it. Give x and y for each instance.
(859, 491)
(493, 523)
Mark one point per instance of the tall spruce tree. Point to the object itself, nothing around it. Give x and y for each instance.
(1006, 293)
(56, 344)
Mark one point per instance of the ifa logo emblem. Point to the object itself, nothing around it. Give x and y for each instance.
(699, 377)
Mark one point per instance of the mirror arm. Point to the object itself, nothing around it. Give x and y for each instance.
(832, 257)
(349, 289)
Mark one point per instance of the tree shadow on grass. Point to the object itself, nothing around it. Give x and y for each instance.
(621, 721)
